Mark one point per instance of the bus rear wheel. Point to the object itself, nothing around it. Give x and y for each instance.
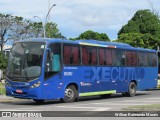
(132, 89)
(71, 94)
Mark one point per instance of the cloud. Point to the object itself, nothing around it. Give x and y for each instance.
(75, 16)
(101, 14)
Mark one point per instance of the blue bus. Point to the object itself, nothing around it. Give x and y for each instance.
(46, 69)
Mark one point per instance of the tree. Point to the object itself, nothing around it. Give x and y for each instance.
(36, 29)
(92, 35)
(52, 31)
(144, 21)
(3, 61)
(142, 30)
(139, 40)
(13, 28)
(18, 28)
(23, 29)
(5, 24)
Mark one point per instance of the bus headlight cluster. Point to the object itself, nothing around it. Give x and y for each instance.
(36, 84)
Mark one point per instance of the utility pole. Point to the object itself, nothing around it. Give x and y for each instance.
(47, 18)
(49, 4)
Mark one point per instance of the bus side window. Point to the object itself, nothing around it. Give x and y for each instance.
(75, 55)
(154, 60)
(109, 57)
(142, 59)
(89, 56)
(93, 57)
(85, 56)
(67, 55)
(71, 55)
(102, 56)
(151, 59)
(119, 58)
(131, 58)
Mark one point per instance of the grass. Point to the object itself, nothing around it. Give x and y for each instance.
(152, 107)
(2, 89)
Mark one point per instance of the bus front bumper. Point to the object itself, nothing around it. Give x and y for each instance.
(24, 93)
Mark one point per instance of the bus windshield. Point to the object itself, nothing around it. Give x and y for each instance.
(25, 60)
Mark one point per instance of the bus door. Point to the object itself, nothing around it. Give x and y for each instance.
(52, 69)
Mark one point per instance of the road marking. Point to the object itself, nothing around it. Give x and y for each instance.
(142, 101)
(102, 109)
(94, 108)
(119, 104)
(77, 107)
(158, 98)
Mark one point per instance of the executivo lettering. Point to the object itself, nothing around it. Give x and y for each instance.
(115, 73)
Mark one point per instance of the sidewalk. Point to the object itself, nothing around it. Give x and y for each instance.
(4, 98)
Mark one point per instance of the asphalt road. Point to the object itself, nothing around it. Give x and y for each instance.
(93, 104)
(114, 103)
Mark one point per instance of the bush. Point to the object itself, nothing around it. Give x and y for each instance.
(3, 61)
(2, 89)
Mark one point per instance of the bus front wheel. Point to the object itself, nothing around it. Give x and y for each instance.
(132, 89)
(71, 94)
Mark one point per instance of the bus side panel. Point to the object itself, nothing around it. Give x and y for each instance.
(96, 79)
(53, 88)
(148, 78)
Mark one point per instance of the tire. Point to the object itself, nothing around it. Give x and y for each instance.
(71, 94)
(132, 89)
(106, 95)
(38, 101)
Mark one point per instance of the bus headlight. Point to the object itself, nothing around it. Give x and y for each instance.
(36, 84)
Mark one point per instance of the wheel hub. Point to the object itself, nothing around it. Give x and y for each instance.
(69, 93)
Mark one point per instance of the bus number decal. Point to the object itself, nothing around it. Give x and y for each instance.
(68, 73)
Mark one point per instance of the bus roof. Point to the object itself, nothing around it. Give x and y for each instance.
(88, 43)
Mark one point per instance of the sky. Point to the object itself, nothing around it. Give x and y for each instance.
(74, 17)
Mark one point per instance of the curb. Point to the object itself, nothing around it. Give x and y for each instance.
(10, 100)
(4, 98)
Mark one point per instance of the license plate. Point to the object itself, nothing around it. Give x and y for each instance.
(19, 91)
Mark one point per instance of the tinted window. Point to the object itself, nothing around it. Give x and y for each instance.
(89, 56)
(141, 59)
(102, 56)
(71, 55)
(151, 59)
(119, 57)
(85, 56)
(76, 55)
(109, 57)
(131, 58)
(67, 54)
